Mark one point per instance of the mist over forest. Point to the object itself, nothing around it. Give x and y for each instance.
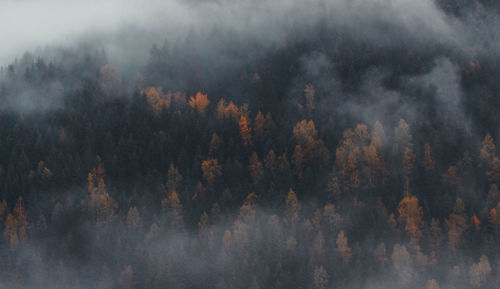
(250, 144)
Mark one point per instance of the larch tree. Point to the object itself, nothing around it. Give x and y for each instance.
(292, 208)
(174, 179)
(487, 149)
(134, 220)
(343, 248)
(457, 224)
(320, 278)
(309, 94)
(211, 169)
(100, 204)
(411, 215)
(493, 196)
(16, 225)
(256, 169)
(409, 161)
(199, 103)
(245, 131)
(493, 172)
(259, 124)
(428, 162)
(402, 135)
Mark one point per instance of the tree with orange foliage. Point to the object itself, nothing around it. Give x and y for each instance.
(157, 99)
(457, 224)
(428, 163)
(100, 204)
(292, 208)
(343, 248)
(411, 215)
(494, 219)
(256, 168)
(493, 172)
(16, 225)
(245, 131)
(409, 161)
(211, 169)
(259, 124)
(305, 132)
(475, 221)
(450, 177)
(231, 110)
(487, 149)
(200, 103)
(309, 94)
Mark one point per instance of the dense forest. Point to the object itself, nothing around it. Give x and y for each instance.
(335, 157)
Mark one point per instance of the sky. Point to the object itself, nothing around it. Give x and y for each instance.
(31, 24)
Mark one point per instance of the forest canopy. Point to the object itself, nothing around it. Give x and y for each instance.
(321, 153)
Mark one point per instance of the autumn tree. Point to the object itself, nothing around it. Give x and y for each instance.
(174, 178)
(457, 224)
(428, 162)
(199, 103)
(211, 169)
(100, 204)
(134, 220)
(320, 278)
(402, 135)
(411, 215)
(256, 169)
(172, 205)
(245, 131)
(309, 94)
(331, 218)
(487, 149)
(409, 161)
(343, 248)
(493, 172)
(259, 124)
(292, 208)
(16, 225)
(493, 196)
(359, 159)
